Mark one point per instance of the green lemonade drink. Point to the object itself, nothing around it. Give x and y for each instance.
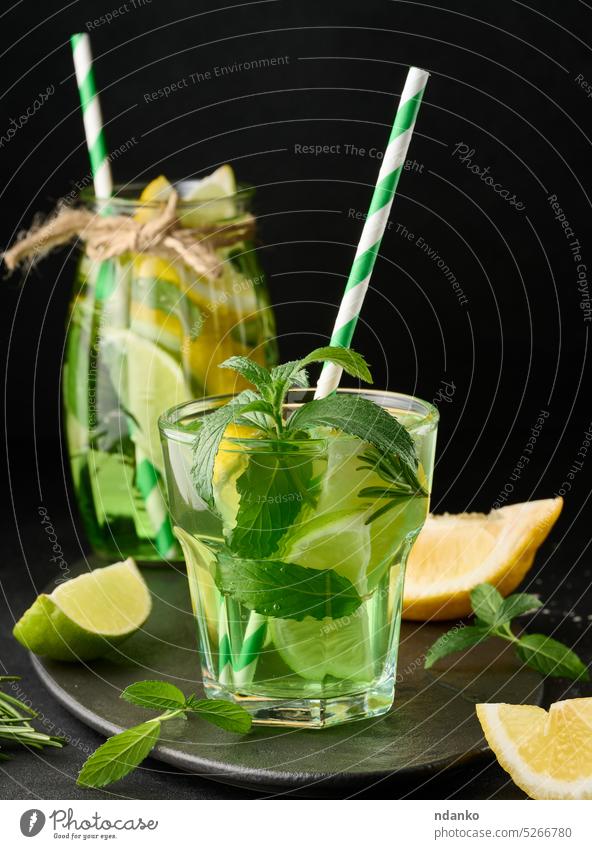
(296, 547)
(145, 332)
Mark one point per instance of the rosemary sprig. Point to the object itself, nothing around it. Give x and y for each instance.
(401, 485)
(15, 723)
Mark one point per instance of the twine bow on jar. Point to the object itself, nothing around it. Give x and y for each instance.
(107, 236)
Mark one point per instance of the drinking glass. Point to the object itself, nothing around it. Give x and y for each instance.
(298, 604)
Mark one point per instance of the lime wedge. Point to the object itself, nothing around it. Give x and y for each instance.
(85, 615)
(339, 540)
(316, 649)
(148, 381)
(213, 196)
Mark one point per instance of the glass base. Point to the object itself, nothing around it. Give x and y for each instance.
(309, 713)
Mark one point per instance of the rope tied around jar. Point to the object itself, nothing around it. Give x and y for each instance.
(107, 236)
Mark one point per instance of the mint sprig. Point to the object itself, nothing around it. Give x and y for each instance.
(262, 408)
(493, 618)
(121, 754)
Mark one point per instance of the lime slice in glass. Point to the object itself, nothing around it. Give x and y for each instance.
(85, 615)
(315, 649)
(148, 381)
(338, 541)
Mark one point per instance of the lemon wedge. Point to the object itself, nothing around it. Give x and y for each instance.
(547, 753)
(454, 553)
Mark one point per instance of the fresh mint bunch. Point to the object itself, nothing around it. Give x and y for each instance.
(262, 408)
(122, 753)
(493, 618)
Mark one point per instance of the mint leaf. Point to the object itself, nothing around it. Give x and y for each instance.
(550, 657)
(225, 715)
(516, 605)
(456, 640)
(260, 414)
(272, 489)
(250, 370)
(486, 602)
(158, 695)
(119, 755)
(285, 590)
(208, 441)
(364, 419)
(350, 361)
(290, 374)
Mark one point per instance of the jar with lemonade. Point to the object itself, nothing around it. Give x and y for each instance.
(145, 332)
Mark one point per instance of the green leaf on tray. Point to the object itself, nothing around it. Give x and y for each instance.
(272, 489)
(516, 605)
(550, 657)
(158, 695)
(285, 590)
(119, 755)
(494, 614)
(486, 602)
(456, 640)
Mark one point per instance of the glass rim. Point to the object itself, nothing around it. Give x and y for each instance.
(127, 196)
(168, 421)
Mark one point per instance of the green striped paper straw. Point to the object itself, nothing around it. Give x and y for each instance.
(147, 476)
(252, 644)
(91, 115)
(375, 224)
(224, 646)
(355, 290)
(148, 481)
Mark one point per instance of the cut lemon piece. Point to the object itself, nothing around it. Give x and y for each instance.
(229, 465)
(547, 754)
(154, 267)
(148, 381)
(156, 192)
(455, 553)
(85, 615)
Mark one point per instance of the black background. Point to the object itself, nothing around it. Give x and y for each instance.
(504, 82)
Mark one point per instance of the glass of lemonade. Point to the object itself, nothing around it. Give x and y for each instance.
(298, 611)
(146, 332)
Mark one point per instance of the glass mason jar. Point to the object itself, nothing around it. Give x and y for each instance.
(296, 574)
(144, 332)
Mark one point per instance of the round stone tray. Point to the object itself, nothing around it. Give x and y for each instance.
(432, 726)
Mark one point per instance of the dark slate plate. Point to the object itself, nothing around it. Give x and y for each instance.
(432, 726)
